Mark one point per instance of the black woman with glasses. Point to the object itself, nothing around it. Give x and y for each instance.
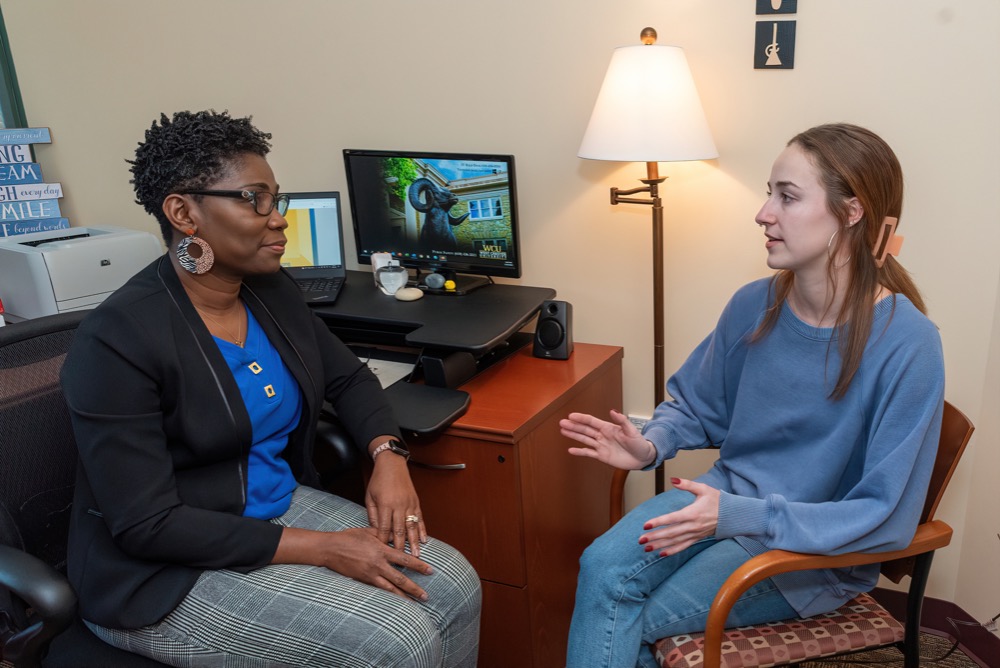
(199, 536)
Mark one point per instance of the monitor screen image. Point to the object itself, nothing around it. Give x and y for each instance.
(449, 213)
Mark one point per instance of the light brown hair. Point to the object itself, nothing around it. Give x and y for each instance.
(852, 162)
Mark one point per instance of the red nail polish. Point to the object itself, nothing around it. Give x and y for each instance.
(643, 540)
(675, 481)
(649, 548)
(647, 526)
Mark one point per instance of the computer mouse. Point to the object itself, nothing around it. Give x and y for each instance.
(408, 294)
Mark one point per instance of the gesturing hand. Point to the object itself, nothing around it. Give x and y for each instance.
(682, 528)
(617, 443)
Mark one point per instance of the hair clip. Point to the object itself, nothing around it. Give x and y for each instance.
(888, 242)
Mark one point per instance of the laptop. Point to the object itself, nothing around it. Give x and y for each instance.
(314, 254)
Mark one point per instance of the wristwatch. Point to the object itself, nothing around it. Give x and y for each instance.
(392, 445)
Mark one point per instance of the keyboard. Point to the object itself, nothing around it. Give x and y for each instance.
(319, 284)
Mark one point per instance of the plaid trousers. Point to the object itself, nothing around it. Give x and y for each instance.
(295, 615)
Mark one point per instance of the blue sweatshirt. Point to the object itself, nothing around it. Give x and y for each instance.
(798, 470)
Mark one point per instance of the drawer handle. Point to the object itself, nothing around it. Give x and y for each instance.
(438, 467)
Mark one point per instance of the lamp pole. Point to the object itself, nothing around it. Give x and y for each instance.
(648, 110)
(653, 181)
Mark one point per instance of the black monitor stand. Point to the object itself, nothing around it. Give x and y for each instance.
(464, 283)
(454, 338)
(476, 323)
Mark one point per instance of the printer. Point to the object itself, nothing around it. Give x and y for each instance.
(42, 273)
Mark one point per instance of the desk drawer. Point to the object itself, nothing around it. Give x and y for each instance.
(505, 637)
(475, 504)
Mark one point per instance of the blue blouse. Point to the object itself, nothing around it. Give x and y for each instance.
(274, 402)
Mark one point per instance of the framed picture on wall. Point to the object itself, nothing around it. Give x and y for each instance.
(774, 45)
(777, 6)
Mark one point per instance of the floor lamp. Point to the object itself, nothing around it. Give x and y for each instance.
(648, 111)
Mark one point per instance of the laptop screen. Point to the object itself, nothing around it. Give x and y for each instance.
(315, 236)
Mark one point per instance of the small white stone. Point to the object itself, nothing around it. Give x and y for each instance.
(409, 294)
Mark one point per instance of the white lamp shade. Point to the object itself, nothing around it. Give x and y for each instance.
(648, 110)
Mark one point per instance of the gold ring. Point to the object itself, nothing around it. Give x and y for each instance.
(412, 519)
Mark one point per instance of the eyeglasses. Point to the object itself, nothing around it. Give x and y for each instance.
(263, 202)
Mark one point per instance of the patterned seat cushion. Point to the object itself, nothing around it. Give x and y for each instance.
(858, 624)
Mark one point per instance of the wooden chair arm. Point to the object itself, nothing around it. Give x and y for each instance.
(618, 495)
(929, 536)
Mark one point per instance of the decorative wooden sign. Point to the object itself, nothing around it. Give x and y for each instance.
(10, 228)
(30, 210)
(25, 136)
(27, 203)
(774, 45)
(23, 172)
(18, 193)
(14, 153)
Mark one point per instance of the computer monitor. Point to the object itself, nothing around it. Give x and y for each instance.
(314, 252)
(315, 239)
(453, 214)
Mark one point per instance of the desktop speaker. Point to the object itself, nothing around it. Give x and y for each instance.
(554, 331)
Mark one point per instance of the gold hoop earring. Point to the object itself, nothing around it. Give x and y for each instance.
(829, 245)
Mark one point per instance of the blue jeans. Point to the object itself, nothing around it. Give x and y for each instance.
(628, 598)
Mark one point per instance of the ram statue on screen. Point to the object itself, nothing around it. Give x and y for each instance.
(435, 203)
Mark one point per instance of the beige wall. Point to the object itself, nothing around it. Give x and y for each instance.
(322, 75)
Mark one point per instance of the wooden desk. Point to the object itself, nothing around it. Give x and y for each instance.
(514, 502)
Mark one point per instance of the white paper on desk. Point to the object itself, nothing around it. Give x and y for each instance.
(389, 372)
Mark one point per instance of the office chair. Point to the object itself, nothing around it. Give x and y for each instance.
(860, 624)
(39, 625)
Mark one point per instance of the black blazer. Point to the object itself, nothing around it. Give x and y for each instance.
(164, 437)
